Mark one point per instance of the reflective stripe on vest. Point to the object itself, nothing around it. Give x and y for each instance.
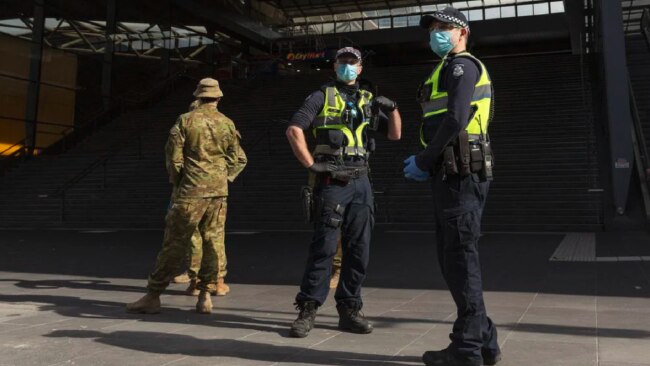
(330, 118)
(481, 100)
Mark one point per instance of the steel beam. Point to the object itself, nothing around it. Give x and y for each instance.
(107, 67)
(34, 83)
(617, 98)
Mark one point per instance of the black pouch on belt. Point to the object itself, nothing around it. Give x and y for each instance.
(463, 154)
(307, 197)
(449, 161)
(488, 161)
(476, 157)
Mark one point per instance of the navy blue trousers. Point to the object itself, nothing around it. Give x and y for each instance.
(459, 206)
(357, 221)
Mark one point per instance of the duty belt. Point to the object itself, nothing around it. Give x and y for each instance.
(344, 151)
(349, 173)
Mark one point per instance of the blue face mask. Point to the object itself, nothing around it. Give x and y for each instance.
(440, 43)
(347, 72)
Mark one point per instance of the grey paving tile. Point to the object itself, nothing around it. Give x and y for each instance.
(411, 322)
(556, 325)
(523, 352)
(5, 328)
(623, 324)
(371, 344)
(626, 350)
(628, 304)
(34, 350)
(111, 357)
(521, 299)
(222, 361)
(578, 302)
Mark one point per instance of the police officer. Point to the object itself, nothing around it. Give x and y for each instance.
(457, 108)
(203, 154)
(339, 115)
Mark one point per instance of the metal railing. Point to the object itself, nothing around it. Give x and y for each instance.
(645, 25)
(139, 99)
(640, 148)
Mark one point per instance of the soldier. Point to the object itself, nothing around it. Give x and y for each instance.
(336, 266)
(203, 154)
(196, 253)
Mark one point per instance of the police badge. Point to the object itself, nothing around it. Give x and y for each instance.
(458, 70)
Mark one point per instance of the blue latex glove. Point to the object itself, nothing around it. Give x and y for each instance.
(411, 170)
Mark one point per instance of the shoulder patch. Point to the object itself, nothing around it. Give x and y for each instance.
(458, 71)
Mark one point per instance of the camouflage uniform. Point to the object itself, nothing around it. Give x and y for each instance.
(195, 254)
(203, 154)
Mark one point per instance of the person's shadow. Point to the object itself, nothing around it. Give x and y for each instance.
(99, 285)
(166, 343)
(75, 307)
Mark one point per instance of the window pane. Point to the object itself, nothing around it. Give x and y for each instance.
(383, 23)
(399, 22)
(524, 10)
(508, 12)
(370, 24)
(492, 13)
(557, 7)
(541, 9)
(475, 15)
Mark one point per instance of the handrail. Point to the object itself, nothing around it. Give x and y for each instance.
(640, 152)
(84, 173)
(112, 151)
(645, 25)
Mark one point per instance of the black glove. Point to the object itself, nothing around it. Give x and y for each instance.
(385, 104)
(324, 167)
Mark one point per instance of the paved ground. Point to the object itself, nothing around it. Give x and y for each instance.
(62, 295)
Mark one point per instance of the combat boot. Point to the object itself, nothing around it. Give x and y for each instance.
(446, 357)
(491, 358)
(204, 304)
(336, 276)
(305, 321)
(148, 304)
(222, 288)
(351, 318)
(182, 278)
(192, 289)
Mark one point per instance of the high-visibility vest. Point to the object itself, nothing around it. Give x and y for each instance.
(481, 100)
(331, 118)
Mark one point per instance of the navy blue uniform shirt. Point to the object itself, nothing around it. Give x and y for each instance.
(314, 103)
(458, 78)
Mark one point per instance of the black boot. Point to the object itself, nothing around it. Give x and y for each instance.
(446, 358)
(305, 321)
(491, 358)
(351, 319)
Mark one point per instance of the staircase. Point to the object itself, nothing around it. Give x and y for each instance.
(542, 136)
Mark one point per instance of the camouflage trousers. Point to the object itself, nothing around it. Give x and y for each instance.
(338, 257)
(196, 257)
(184, 218)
